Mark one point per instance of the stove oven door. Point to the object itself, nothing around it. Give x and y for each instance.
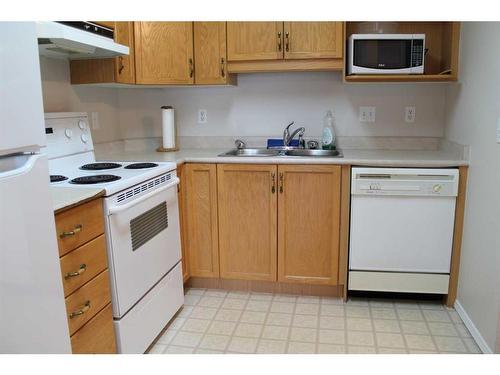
(144, 244)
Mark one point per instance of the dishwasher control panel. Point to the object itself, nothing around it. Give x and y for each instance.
(404, 181)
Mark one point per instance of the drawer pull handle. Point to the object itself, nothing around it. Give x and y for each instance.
(82, 269)
(77, 229)
(82, 311)
(273, 186)
(281, 183)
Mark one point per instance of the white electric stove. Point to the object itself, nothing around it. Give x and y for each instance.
(142, 228)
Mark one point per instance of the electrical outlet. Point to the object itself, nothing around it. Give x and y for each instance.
(202, 116)
(410, 114)
(95, 120)
(367, 114)
(498, 130)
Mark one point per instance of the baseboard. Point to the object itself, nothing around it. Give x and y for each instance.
(472, 328)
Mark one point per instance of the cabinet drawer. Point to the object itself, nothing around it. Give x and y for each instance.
(87, 300)
(83, 264)
(97, 336)
(79, 225)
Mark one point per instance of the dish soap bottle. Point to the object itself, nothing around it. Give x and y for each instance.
(328, 138)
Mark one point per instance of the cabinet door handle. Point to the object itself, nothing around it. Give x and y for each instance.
(191, 67)
(287, 41)
(82, 310)
(273, 186)
(281, 183)
(121, 66)
(222, 71)
(82, 269)
(279, 41)
(76, 229)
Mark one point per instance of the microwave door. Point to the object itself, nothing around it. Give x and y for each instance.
(383, 56)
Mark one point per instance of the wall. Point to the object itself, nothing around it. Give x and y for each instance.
(262, 104)
(60, 96)
(473, 107)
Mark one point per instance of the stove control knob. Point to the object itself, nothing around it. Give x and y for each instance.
(437, 188)
(68, 133)
(84, 138)
(82, 125)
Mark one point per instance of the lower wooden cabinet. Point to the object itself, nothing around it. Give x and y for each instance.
(247, 221)
(309, 223)
(263, 222)
(181, 196)
(200, 217)
(85, 278)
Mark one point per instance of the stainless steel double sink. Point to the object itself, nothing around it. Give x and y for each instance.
(285, 152)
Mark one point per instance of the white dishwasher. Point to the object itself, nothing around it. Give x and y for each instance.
(401, 232)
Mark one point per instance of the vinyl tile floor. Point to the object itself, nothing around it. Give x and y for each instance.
(219, 321)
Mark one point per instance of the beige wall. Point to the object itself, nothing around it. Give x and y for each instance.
(262, 104)
(60, 96)
(473, 109)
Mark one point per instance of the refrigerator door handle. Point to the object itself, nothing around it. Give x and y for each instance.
(17, 164)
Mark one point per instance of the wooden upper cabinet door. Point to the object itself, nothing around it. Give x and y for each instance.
(247, 221)
(308, 223)
(210, 52)
(313, 40)
(200, 217)
(164, 52)
(125, 65)
(254, 41)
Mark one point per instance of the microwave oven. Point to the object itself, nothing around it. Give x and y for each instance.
(386, 54)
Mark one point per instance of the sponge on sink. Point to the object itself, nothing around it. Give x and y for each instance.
(271, 143)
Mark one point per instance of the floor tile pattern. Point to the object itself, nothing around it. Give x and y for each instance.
(218, 321)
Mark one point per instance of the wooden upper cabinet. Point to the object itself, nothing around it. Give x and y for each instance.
(210, 58)
(200, 219)
(309, 223)
(311, 40)
(254, 41)
(247, 206)
(164, 52)
(125, 65)
(119, 69)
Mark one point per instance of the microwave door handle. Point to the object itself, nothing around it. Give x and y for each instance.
(123, 207)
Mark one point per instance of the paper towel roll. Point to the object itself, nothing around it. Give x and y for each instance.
(168, 127)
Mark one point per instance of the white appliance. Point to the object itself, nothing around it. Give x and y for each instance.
(142, 228)
(32, 309)
(77, 40)
(401, 231)
(386, 54)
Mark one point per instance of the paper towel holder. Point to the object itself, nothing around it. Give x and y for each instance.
(176, 147)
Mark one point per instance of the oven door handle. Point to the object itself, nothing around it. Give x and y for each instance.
(123, 207)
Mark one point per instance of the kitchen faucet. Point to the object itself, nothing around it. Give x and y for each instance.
(287, 137)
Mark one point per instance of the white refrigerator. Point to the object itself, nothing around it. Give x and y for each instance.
(32, 309)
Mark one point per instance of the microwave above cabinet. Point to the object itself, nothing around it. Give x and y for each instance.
(386, 54)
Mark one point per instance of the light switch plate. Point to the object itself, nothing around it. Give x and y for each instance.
(410, 114)
(367, 114)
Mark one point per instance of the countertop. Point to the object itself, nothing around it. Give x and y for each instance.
(375, 158)
(64, 197)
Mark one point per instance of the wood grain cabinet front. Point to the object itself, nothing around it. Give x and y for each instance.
(309, 223)
(247, 206)
(85, 278)
(164, 52)
(119, 69)
(202, 240)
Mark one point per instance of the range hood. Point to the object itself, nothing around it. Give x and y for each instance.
(77, 41)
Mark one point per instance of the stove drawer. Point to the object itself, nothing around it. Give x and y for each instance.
(84, 263)
(79, 225)
(83, 304)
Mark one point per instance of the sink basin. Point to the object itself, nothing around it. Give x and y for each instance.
(263, 152)
(251, 152)
(310, 152)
